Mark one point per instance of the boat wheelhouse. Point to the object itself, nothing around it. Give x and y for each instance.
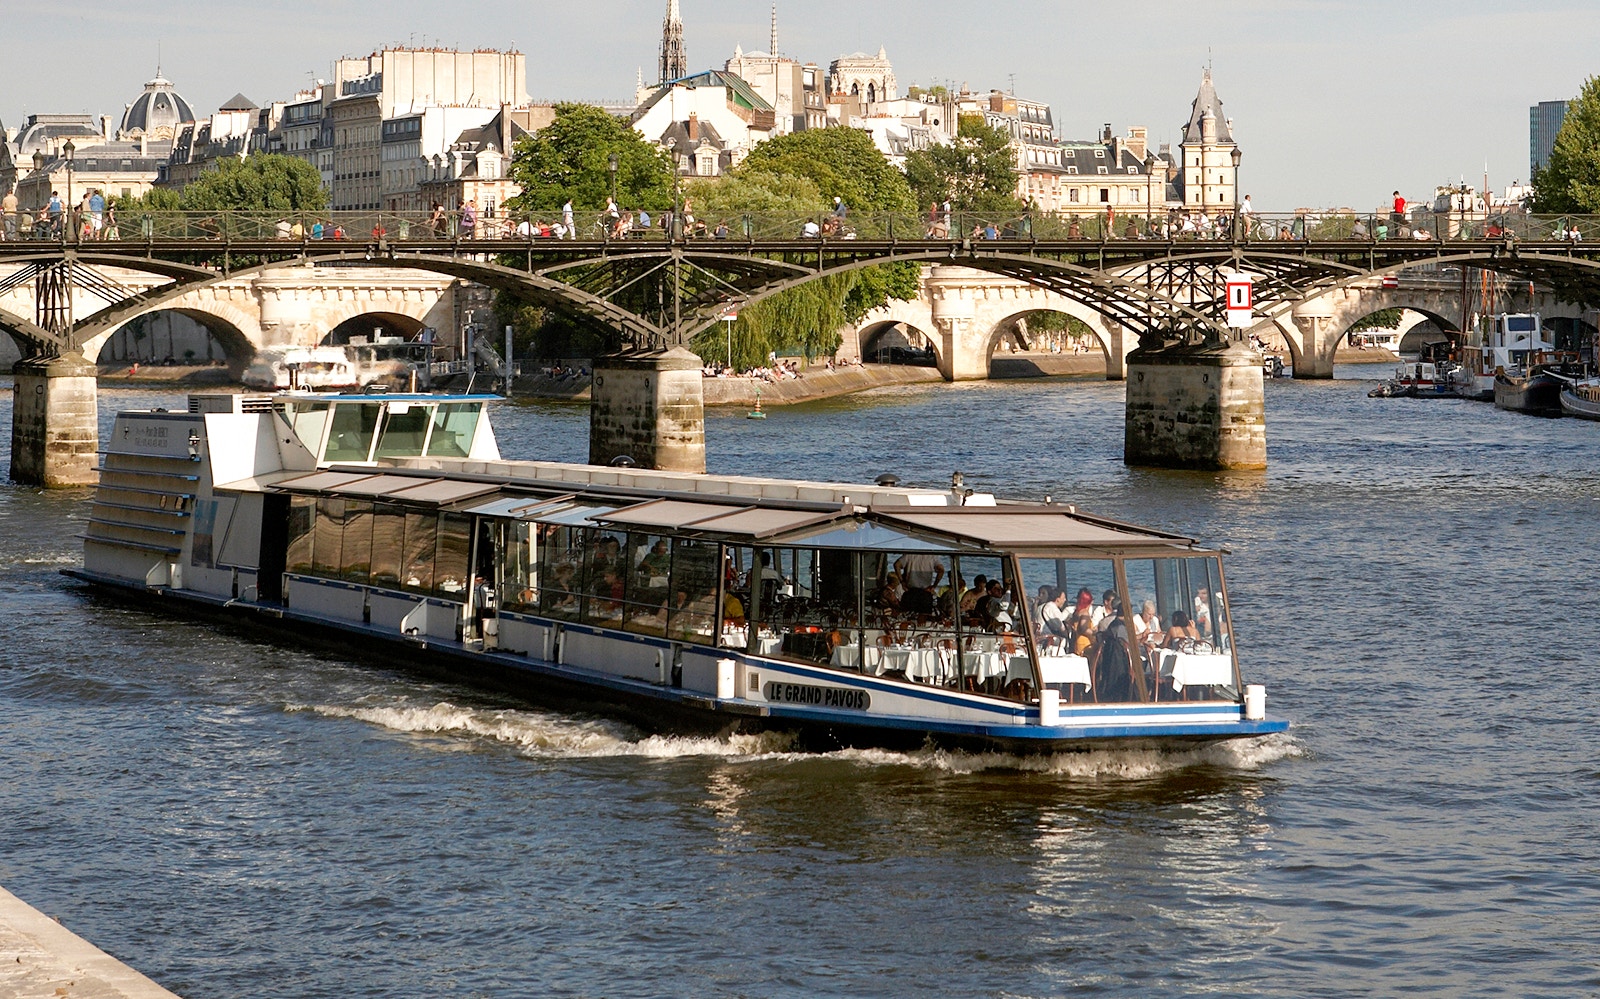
(849, 614)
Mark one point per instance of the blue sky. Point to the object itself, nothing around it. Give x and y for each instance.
(1335, 102)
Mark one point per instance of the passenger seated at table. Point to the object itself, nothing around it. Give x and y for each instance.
(1109, 608)
(1084, 602)
(1181, 631)
(1053, 623)
(891, 591)
(1146, 625)
(917, 601)
(970, 598)
(1202, 612)
(1084, 634)
(732, 611)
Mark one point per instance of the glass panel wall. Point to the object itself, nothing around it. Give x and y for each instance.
(649, 570)
(355, 558)
(561, 569)
(695, 571)
(1077, 617)
(807, 602)
(302, 511)
(388, 544)
(993, 645)
(1185, 641)
(603, 574)
(519, 566)
(450, 571)
(738, 577)
(350, 437)
(308, 419)
(422, 538)
(327, 535)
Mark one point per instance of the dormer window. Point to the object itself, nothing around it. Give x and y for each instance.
(1099, 154)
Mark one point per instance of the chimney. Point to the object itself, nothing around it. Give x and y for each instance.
(694, 126)
(1138, 142)
(1116, 153)
(105, 127)
(1105, 132)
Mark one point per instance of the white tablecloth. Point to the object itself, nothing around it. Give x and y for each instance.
(766, 645)
(983, 665)
(918, 664)
(1187, 670)
(849, 657)
(1064, 669)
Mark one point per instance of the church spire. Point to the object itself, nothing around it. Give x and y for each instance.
(774, 50)
(674, 65)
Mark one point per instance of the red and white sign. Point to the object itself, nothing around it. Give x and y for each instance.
(1390, 282)
(1241, 302)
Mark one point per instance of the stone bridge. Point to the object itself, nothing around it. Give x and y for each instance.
(289, 306)
(964, 314)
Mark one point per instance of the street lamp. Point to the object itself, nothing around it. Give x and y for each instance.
(611, 165)
(68, 148)
(1149, 180)
(672, 152)
(1236, 156)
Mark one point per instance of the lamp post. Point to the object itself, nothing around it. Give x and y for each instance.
(69, 149)
(1236, 156)
(672, 153)
(611, 165)
(1149, 181)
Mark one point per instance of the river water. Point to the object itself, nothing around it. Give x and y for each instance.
(1413, 580)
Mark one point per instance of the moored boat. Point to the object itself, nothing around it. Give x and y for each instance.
(843, 613)
(1581, 398)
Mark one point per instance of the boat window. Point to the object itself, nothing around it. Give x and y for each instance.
(1184, 640)
(302, 510)
(561, 562)
(603, 574)
(738, 564)
(451, 564)
(519, 566)
(405, 429)
(649, 567)
(355, 558)
(388, 544)
(1079, 621)
(692, 613)
(328, 533)
(350, 437)
(308, 419)
(990, 618)
(453, 427)
(422, 540)
(807, 604)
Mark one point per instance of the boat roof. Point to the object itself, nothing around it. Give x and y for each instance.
(885, 522)
(428, 397)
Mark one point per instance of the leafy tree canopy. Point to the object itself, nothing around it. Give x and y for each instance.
(841, 162)
(1570, 181)
(569, 158)
(261, 182)
(976, 173)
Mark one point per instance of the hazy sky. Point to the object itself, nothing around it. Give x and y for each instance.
(1335, 102)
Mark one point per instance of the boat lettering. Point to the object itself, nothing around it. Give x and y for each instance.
(822, 697)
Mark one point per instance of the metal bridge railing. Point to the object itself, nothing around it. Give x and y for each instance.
(72, 226)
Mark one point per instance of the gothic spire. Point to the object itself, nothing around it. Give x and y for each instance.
(674, 65)
(774, 50)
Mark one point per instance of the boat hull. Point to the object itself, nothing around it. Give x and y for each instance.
(668, 708)
(1536, 395)
(1573, 404)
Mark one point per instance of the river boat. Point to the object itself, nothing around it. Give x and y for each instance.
(845, 614)
(389, 361)
(1441, 379)
(1502, 342)
(1581, 398)
(1536, 391)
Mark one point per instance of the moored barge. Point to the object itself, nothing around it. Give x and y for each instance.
(846, 614)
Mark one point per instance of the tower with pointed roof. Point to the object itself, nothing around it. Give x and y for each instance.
(1206, 177)
(674, 64)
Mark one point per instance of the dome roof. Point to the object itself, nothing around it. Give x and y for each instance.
(157, 112)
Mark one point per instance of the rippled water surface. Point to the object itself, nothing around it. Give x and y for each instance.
(1414, 581)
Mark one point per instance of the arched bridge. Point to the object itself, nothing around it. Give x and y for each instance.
(659, 288)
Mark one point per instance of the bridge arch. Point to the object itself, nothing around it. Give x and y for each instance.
(874, 337)
(355, 320)
(224, 323)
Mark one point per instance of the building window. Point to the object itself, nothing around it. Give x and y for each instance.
(1105, 195)
(1072, 194)
(1099, 154)
(1103, 170)
(1133, 169)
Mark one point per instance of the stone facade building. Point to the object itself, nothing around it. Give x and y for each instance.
(1205, 177)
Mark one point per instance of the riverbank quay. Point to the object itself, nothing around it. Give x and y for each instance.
(41, 958)
(815, 383)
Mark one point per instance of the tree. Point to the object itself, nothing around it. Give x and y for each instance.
(1570, 181)
(976, 173)
(842, 162)
(265, 182)
(570, 158)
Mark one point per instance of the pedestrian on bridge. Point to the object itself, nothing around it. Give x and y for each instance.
(8, 206)
(469, 219)
(566, 220)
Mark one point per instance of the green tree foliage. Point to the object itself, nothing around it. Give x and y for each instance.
(976, 173)
(753, 192)
(1570, 181)
(263, 182)
(1383, 319)
(841, 162)
(569, 158)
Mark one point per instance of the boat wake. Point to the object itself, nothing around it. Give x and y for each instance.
(554, 736)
